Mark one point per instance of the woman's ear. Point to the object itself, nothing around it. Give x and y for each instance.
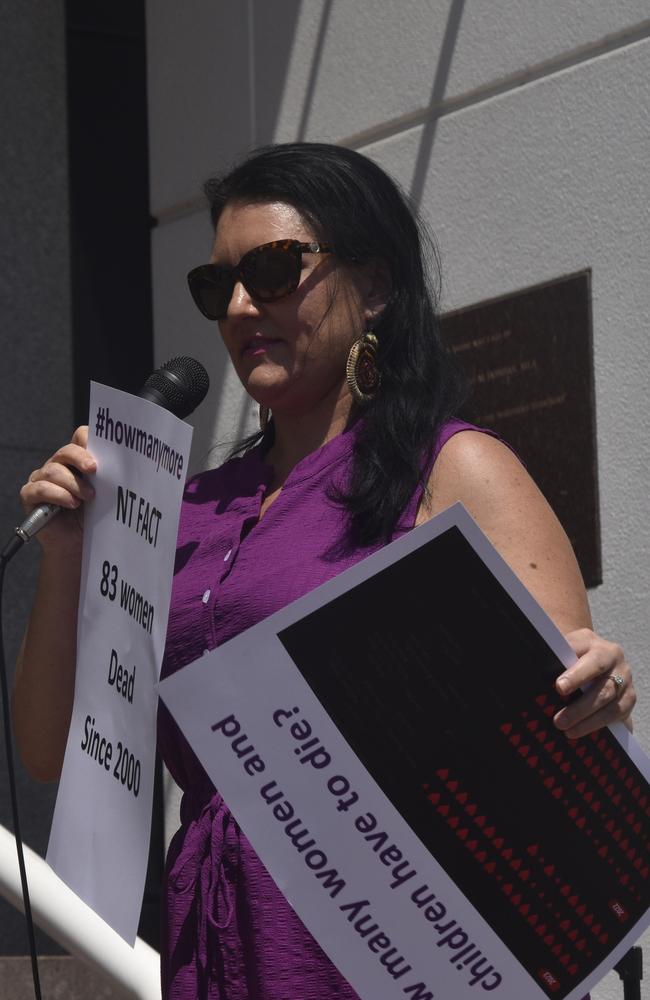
(378, 291)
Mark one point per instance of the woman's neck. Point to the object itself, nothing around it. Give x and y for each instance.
(297, 436)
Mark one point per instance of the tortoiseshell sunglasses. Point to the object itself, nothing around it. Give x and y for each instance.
(267, 272)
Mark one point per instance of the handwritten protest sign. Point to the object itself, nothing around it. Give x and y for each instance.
(100, 832)
(386, 743)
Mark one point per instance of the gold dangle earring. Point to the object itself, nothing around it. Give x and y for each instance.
(264, 417)
(361, 371)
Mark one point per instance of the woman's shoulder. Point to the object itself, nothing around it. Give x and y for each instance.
(475, 464)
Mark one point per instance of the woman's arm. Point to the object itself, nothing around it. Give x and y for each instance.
(44, 682)
(492, 484)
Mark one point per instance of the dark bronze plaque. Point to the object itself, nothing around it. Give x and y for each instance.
(529, 360)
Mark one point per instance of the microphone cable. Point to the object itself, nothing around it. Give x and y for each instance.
(6, 715)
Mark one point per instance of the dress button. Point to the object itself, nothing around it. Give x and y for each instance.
(227, 555)
(206, 596)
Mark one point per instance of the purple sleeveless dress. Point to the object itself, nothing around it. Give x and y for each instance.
(228, 933)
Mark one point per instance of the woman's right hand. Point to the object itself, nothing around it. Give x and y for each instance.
(61, 481)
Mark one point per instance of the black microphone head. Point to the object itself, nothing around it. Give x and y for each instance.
(179, 386)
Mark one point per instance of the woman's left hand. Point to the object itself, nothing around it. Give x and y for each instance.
(610, 697)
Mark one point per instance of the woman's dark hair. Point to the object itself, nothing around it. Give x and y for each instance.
(352, 204)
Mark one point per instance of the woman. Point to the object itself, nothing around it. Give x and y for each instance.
(318, 283)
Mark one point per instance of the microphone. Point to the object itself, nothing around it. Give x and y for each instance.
(178, 386)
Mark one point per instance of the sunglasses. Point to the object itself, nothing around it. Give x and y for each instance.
(268, 272)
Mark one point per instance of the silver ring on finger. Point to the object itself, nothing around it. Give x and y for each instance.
(618, 682)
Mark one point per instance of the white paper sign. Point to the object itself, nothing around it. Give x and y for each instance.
(380, 904)
(100, 833)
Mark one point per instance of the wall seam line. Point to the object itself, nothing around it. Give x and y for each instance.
(544, 70)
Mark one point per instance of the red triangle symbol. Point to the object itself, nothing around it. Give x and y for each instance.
(582, 909)
(434, 797)
(549, 782)
(516, 864)
(533, 850)
(564, 926)
(516, 900)
(589, 796)
(589, 919)
(565, 768)
(453, 822)
(452, 786)
(533, 761)
(541, 700)
(443, 810)
(573, 812)
(481, 856)
(581, 822)
(549, 939)
(507, 854)
(506, 728)
(566, 889)
(596, 929)
(557, 792)
(573, 934)
(524, 875)
(550, 746)
(480, 821)
(604, 938)
(572, 969)
(565, 959)
(472, 845)
(498, 843)
(557, 757)
(532, 725)
(508, 889)
(532, 920)
(515, 739)
(595, 771)
(524, 751)
(573, 900)
(489, 832)
(549, 870)
(525, 909)
(489, 867)
(443, 773)
(463, 834)
(602, 853)
(581, 750)
(471, 810)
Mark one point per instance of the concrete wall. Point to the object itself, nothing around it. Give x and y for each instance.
(521, 130)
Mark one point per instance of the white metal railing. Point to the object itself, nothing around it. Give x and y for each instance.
(68, 920)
